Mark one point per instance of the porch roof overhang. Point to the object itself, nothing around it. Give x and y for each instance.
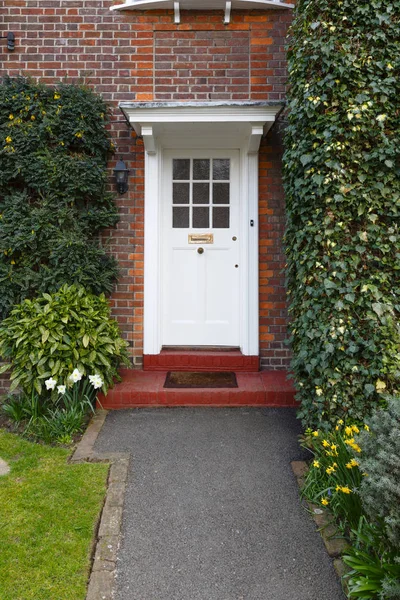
(201, 124)
(225, 5)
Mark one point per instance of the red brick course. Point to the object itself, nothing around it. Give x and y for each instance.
(200, 59)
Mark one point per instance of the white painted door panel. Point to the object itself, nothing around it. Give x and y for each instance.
(200, 291)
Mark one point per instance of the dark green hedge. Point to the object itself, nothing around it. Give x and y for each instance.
(54, 148)
(342, 177)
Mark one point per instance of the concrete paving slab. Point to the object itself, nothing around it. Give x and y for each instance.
(212, 508)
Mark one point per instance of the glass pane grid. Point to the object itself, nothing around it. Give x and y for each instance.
(201, 193)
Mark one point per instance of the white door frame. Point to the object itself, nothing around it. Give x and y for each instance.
(223, 126)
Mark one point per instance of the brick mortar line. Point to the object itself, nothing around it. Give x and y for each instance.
(101, 584)
(335, 546)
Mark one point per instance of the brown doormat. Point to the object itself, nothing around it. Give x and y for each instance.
(185, 379)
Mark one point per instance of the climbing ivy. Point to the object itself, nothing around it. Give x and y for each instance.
(54, 147)
(342, 178)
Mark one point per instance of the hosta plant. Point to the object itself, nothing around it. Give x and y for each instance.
(51, 336)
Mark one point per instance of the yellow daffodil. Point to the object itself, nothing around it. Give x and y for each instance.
(354, 462)
(355, 429)
(79, 134)
(11, 117)
(57, 96)
(366, 427)
(316, 464)
(338, 488)
(349, 465)
(340, 422)
(330, 470)
(346, 490)
(325, 443)
(315, 433)
(325, 501)
(348, 431)
(8, 140)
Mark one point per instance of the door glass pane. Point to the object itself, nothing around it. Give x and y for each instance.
(221, 193)
(180, 194)
(221, 168)
(181, 168)
(201, 217)
(221, 217)
(180, 217)
(201, 168)
(201, 193)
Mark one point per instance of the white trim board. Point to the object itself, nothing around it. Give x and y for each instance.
(212, 127)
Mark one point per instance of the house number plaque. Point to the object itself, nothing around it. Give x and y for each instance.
(201, 238)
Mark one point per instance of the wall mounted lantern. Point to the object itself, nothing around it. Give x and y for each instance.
(121, 177)
(10, 37)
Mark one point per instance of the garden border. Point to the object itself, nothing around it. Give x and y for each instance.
(335, 546)
(105, 549)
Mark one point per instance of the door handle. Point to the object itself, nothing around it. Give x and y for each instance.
(200, 250)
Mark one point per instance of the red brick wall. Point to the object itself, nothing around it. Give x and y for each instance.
(113, 52)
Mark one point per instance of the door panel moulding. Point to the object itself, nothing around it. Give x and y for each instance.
(212, 126)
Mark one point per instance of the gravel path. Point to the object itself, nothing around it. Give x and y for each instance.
(212, 509)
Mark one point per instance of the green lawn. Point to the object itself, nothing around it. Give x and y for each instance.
(48, 511)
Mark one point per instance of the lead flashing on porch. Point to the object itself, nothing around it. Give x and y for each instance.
(199, 112)
(225, 5)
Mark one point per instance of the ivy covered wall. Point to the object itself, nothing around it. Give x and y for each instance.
(342, 174)
(54, 147)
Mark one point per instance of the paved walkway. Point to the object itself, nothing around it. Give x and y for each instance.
(212, 509)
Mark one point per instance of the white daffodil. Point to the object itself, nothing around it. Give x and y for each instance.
(381, 118)
(50, 383)
(75, 376)
(61, 389)
(96, 381)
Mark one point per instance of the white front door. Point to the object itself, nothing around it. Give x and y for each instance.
(200, 248)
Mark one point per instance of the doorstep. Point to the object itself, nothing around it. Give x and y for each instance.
(200, 360)
(146, 389)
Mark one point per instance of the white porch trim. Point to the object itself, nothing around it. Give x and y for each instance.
(201, 5)
(212, 126)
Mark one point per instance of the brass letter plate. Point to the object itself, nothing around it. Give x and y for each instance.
(201, 238)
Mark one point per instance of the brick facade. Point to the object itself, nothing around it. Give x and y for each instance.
(142, 56)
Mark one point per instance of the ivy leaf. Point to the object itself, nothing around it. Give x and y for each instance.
(305, 159)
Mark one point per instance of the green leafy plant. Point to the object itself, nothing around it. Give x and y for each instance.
(375, 570)
(54, 334)
(342, 180)
(380, 491)
(54, 147)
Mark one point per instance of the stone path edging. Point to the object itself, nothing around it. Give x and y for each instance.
(335, 546)
(102, 577)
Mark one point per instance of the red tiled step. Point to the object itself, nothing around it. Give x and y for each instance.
(200, 360)
(144, 388)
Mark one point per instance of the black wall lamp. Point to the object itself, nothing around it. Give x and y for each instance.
(121, 177)
(10, 37)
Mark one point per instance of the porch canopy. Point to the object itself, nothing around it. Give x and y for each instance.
(225, 5)
(202, 124)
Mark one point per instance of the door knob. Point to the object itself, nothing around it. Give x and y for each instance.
(200, 250)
